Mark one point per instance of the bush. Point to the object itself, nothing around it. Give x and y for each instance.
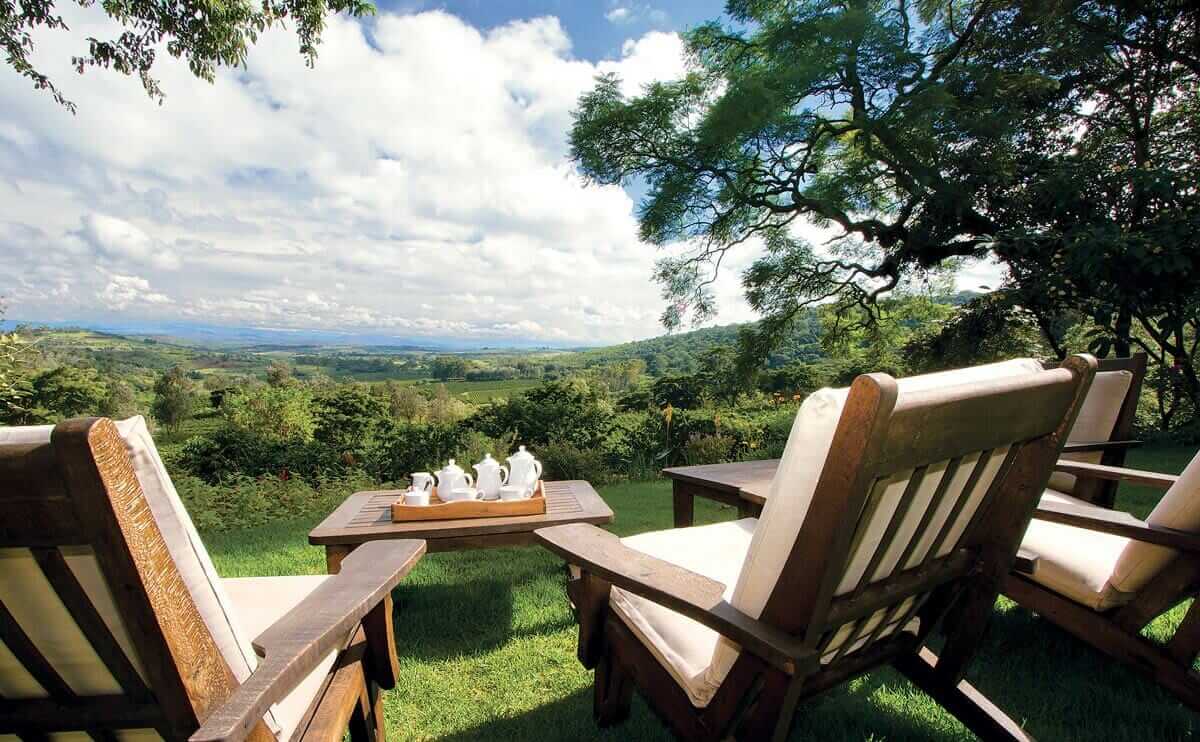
(571, 411)
(567, 461)
(708, 449)
(242, 501)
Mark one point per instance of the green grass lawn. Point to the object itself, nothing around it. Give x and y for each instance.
(487, 649)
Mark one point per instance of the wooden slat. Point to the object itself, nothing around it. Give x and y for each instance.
(83, 712)
(1118, 524)
(31, 658)
(80, 606)
(960, 502)
(1116, 474)
(897, 587)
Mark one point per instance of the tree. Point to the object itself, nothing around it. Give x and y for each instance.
(447, 367)
(1061, 137)
(272, 413)
(279, 373)
(172, 397)
(119, 402)
(205, 35)
(17, 356)
(67, 391)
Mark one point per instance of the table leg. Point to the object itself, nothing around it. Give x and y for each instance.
(685, 504)
(334, 554)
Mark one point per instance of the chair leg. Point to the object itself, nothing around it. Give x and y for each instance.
(367, 722)
(613, 692)
(970, 706)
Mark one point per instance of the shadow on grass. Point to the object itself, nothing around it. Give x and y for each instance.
(441, 621)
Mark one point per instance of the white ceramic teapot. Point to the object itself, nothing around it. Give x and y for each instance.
(523, 469)
(490, 476)
(452, 478)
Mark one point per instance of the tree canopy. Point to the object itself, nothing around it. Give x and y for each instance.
(206, 35)
(1060, 137)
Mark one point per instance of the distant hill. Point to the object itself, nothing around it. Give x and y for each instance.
(680, 352)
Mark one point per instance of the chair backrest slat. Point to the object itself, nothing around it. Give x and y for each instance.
(899, 518)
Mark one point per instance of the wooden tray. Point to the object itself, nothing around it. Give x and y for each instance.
(438, 510)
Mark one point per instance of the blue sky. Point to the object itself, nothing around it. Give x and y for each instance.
(414, 184)
(597, 28)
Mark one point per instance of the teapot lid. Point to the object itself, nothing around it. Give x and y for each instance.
(521, 454)
(451, 466)
(487, 461)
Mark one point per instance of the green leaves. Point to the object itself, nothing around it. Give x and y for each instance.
(206, 33)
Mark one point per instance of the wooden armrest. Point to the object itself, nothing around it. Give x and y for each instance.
(295, 644)
(1118, 524)
(1115, 473)
(1026, 562)
(602, 554)
(1085, 446)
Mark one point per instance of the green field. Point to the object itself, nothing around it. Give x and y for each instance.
(487, 650)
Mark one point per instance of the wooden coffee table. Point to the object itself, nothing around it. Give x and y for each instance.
(744, 484)
(367, 516)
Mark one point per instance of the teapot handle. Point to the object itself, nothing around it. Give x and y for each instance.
(503, 474)
(537, 466)
(470, 479)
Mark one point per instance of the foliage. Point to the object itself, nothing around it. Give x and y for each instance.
(279, 373)
(17, 357)
(173, 400)
(1061, 138)
(568, 461)
(990, 328)
(120, 401)
(347, 418)
(67, 391)
(708, 449)
(206, 35)
(571, 411)
(241, 501)
(448, 367)
(276, 414)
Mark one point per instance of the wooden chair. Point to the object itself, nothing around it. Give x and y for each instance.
(1103, 432)
(897, 509)
(1103, 575)
(106, 609)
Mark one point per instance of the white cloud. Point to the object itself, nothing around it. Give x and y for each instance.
(414, 182)
(123, 291)
(619, 15)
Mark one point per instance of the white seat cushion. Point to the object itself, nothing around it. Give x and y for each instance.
(1179, 508)
(683, 646)
(259, 602)
(183, 542)
(1097, 417)
(1075, 562)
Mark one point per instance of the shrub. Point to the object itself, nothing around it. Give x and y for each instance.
(273, 414)
(708, 449)
(242, 501)
(571, 411)
(408, 447)
(567, 461)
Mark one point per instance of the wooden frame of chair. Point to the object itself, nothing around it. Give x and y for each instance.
(781, 659)
(1117, 632)
(80, 490)
(1120, 440)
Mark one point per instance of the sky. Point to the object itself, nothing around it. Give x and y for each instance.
(415, 183)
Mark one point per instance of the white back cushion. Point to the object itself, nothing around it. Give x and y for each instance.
(182, 541)
(1099, 414)
(795, 482)
(1179, 509)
